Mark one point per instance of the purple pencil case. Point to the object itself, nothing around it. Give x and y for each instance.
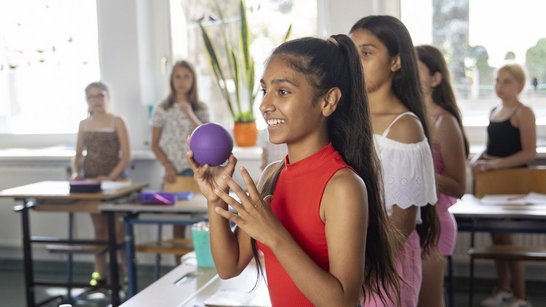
(157, 198)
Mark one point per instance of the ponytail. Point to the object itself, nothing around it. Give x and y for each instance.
(335, 63)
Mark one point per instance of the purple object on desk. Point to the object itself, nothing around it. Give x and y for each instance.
(157, 198)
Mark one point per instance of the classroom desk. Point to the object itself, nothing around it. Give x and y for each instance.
(473, 215)
(183, 212)
(190, 286)
(55, 196)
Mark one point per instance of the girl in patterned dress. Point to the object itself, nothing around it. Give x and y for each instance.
(104, 138)
(172, 122)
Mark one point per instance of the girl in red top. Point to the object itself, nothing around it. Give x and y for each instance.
(317, 216)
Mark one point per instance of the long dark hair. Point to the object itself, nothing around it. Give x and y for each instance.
(193, 95)
(442, 94)
(335, 63)
(407, 88)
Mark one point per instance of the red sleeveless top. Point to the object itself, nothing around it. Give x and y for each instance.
(296, 203)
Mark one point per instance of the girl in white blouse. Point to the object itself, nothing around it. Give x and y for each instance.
(399, 123)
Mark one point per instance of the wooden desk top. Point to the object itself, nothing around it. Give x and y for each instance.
(60, 190)
(196, 204)
(470, 206)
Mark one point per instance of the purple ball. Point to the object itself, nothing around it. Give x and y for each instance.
(211, 144)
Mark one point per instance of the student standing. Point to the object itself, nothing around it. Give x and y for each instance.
(104, 137)
(400, 131)
(318, 216)
(450, 150)
(511, 142)
(173, 121)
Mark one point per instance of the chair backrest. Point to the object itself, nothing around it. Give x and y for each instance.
(181, 184)
(510, 181)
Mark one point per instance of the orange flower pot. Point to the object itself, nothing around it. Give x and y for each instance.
(245, 134)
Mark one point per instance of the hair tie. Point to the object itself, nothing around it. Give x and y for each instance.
(332, 40)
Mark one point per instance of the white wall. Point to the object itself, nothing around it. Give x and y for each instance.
(133, 37)
(338, 16)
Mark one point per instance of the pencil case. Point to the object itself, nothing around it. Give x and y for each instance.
(157, 198)
(83, 186)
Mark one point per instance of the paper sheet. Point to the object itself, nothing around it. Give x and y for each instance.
(237, 298)
(514, 199)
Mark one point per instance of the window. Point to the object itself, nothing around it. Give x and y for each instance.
(268, 21)
(477, 37)
(48, 54)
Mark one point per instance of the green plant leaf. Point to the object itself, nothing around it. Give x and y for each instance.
(248, 61)
(239, 63)
(288, 33)
(236, 79)
(244, 117)
(216, 68)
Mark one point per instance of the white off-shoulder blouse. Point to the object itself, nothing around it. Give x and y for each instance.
(408, 172)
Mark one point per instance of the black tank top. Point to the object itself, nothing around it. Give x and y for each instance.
(503, 139)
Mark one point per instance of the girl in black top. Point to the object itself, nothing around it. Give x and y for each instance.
(511, 143)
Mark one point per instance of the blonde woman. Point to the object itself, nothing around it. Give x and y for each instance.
(511, 143)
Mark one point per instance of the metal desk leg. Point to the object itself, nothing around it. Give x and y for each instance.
(450, 287)
(471, 282)
(27, 251)
(130, 254)
(70, 262)
(112, 249)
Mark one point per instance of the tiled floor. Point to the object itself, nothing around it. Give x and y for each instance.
(12, 285)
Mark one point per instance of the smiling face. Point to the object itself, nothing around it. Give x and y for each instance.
(290, 107)
(97, 100)
(182, 80)
(378, 65)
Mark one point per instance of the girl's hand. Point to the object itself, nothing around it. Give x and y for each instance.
(185, 107)
(482, 166)
(254, 215)
(76, 176)
(210, 178)
(170, 173)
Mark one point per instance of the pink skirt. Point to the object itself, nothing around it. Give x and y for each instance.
(448, 226)
(408, 265)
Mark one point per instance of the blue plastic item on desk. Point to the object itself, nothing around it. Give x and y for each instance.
(183, 195)
(201, 244)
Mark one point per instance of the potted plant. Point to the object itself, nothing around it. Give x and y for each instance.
(233, 71)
